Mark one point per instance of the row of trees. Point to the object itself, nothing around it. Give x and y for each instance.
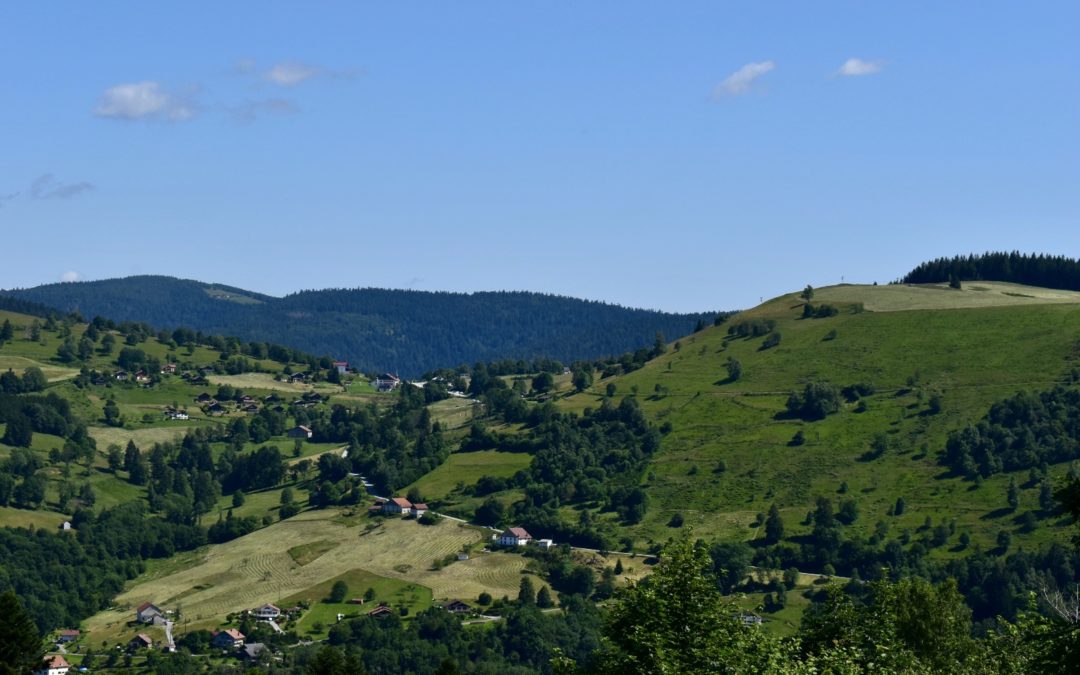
(1032, 269)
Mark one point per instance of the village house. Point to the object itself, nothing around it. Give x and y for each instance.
(515, 536)
(216, 409)
(204, 398)
(140, 641)
(419, 509)
(142, 376)
(67, 635)
(457, 607)
(398, 505)
(299, 431)
(54, 665)
(230, 638)
(267, 612)
(545, 544)
(121, 375)
(386, 382)
(168, 369)
(381, 612)
(149, 613)
(251, 408)
(341, 366)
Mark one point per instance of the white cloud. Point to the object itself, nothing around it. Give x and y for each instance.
(70, 275)
(47, 187)
(144, 100)
(741, 80)
(292, 74)
(856, 67)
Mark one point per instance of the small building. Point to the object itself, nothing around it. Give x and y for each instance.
(204, 398)
(148, 613)
(54, 665)
(299, 431)
(230, 638)
(515, 536)
(457, 607)
(168, 369)
(355, 601)
(386, 382)
(750, 619)
(65, 526)
(398, 505)
(122, 375)
(253, 650)
(419, 509)
(216, 408)
(140, 641)
(341, 366)
(381, 612)
(251, 408)
(545, 543)
(267, 612)
(462, 555)
(142, 376)
(67, 635)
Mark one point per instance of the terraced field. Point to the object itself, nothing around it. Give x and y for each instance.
(258, 568)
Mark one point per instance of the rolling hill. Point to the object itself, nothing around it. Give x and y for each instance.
(404, 331)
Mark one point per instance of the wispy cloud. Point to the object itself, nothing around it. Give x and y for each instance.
(292, 74)
(8, 198)
(854, 67)
(70, 275)
(249, 111)
(47, 187)
(740, 82)
(146, 100)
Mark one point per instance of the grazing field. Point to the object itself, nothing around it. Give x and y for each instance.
(258, 568)
(730, 453)
(53, 373)
(47, 520)
(467, 468)
(453, 413)
(902, 297)
(394, 592)
(266, 381)
(143, 438)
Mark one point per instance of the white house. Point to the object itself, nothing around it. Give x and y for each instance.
(419, 509)
(55, 665)
(267, 612)
(545, 543)
(398, 505)
(149, 613)
(515, 536)
(386, 382)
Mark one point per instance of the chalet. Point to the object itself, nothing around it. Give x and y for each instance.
(386, 382)
(272, 398)
(66, 525)
(341, 366)
(246, 399)
(230, 638)
(545, 544)
(149, 613)
(98, 381)
(267, 612)
(299, 432)
(140, 641)
(142, 376)
(419, 509)
(312, 396)
(250, 408)
(381, 612)
(174, 414)
(168, 369)
(457, 607)
(204, 398)
(122, 375)
(515, 536)
(216, 408)
(298, 377)
(398, 505)
(54, 665)
(67, 635)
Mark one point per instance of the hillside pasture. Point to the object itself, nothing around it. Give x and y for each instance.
(53, 373)
(467, 468)
(972, 294)
(258, 568)
(266, 382)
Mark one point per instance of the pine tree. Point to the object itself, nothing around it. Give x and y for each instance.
(20, 642)
(526, 592)
(774, 526)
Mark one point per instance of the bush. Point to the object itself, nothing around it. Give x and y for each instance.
(771, 340)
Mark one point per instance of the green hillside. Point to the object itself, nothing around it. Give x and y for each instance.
(920, 342)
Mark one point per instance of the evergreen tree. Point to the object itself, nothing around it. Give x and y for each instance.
(774, 526)
(526, 592)
(20, 643)
(1013, 494)
(543, 598)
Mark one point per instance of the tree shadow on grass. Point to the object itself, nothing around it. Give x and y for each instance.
(997, 513)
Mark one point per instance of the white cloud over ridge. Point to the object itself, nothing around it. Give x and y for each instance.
(70, 275)
(855, 67)
(144, 100)
(740, 82)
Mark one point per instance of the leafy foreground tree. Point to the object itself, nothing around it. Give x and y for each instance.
(20, 644)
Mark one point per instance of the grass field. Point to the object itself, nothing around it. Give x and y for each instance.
(266, 382)
(973, 294)
(53, 373)
(12, 517)
(465, 468)
(394, 592)
(258, 568)
(973, 356)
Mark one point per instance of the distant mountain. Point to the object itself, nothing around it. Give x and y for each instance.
(378, 329)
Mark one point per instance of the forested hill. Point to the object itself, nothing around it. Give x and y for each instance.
(1047, 271)
(405, 331)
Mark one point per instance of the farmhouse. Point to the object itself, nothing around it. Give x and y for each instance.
(215, 409)
(386, 382)
(149, 613)
(515, 536)
(457, 607)
(230, 638)
(140, 641)
(168, 369)
(341, 366)
(55, 665)
(381, 612)
(267, 612)
(419, 509)
(204, 398)
(142, 376)
(299, 432)
(67, 635)
(398, 505)
(121, 375)
(251, 408)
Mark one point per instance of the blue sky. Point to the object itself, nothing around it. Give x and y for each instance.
(682, 156)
